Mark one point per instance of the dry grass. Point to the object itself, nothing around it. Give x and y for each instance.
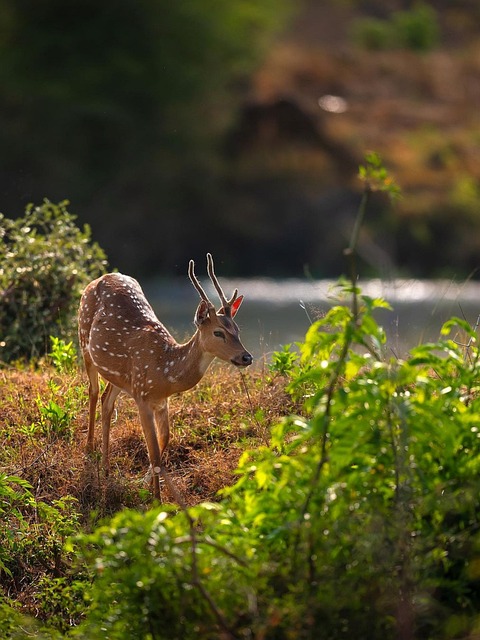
(43, 423)
(211, 426)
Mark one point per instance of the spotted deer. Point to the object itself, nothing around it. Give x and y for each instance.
(123, 341)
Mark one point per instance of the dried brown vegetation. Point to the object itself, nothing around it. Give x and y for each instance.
(212, 425)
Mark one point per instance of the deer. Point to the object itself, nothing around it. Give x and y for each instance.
(122, 340)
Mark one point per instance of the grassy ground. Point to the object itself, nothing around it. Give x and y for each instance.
(43, 422)
(43, 433)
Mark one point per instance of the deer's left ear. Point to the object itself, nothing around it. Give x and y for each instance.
(201, 313)
(236, 305)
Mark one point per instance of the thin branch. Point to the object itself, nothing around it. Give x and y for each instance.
(326, 422)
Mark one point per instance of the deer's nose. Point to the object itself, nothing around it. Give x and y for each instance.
(247, 359)
(243, 360)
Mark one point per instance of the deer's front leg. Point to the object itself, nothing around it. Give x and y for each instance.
(147, 420)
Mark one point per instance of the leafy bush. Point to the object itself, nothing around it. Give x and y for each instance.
(45, 261)
(32, 538)
(32, 533)
(284, 361)
(360, 519)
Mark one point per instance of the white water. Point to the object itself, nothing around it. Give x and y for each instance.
(276, 312)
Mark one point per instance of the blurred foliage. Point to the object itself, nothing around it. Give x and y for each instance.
(16, 626)
(376, 177)
(118, 107)
(45, 262)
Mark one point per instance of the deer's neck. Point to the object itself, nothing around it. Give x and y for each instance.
(187, 364)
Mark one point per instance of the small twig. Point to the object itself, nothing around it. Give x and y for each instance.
(352, 247)
(472, 339)
(43, 453)
(177, 496)
(350, 251)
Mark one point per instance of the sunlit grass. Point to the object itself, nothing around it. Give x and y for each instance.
(43, 434)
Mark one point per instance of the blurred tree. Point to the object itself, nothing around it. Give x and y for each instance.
(116, 105)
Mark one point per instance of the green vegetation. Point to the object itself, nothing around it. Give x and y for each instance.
(359, 519)
(50, 492)
(45, 262)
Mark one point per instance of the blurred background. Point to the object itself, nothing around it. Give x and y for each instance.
(238, 127)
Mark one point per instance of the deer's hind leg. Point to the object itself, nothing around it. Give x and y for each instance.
(108, 403)
(163, 426)
(93, 391)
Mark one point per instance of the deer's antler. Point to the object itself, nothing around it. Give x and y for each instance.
(226, 304)
(194, 280)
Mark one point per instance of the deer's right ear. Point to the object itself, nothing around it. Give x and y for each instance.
(201, 313)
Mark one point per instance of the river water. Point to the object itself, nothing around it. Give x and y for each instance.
(277, 312)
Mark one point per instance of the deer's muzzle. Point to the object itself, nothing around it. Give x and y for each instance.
(245, 359)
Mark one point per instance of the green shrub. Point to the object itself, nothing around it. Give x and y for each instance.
(45, 261)
(32, 532)
(284, 361)
(33, 556)
(361, 518)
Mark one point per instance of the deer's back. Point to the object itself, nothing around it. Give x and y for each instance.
(118, 327)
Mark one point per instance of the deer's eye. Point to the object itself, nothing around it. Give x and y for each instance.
(219, 334)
